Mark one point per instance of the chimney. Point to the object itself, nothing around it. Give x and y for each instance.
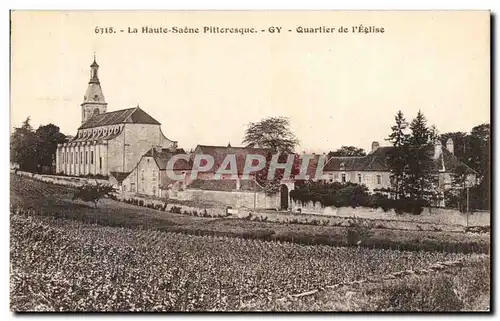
(437, 149)
(449, 145)
(375, 146)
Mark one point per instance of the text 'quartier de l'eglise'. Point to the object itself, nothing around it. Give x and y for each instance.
(341, 29)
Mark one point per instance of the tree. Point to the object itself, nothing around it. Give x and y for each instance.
(420, 176)
(474, 150)
(480, 162)
(348, 151)
(93, 193)
(398, 156)
(47, 138)
(23, 147)
(272, 133)
(272, 186)
(34, 150)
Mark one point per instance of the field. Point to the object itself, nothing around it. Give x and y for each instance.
(67, 256)
(56, 201)
(65, 265)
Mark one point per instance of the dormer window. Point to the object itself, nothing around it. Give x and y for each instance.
(342, 166)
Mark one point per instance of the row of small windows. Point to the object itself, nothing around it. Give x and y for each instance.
(79, 158)
(99, 132)
(360, 179)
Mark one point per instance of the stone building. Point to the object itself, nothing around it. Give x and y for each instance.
(149, 176)
(108, 141)
(373, 169)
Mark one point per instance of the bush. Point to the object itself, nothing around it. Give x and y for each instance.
(328, 194)
(382, 201)
(359, 231)
(93, 193)
(175, 209)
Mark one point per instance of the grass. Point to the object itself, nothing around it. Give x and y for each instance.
(56, 201)
(464, 288)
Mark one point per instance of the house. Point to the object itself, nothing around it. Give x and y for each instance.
(151, 174)
(373, 170)
(108, 141)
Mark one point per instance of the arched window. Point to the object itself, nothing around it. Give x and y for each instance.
(96, 111)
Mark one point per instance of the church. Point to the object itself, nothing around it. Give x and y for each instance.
(108, 142)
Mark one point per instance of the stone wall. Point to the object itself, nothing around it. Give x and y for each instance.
(429, 215)
(234, 199)
(62, 180)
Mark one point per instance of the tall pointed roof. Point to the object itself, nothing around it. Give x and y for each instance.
(94, 64)
(94, 94)
(131, 115)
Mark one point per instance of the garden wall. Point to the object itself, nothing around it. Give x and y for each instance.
(429, 215)
(246, 199)
(61, 180)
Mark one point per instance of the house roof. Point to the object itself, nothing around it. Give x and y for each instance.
(219, 153)
(164, 155)
(225, 185)
(119, 176)
(131, 115)
(378, 161)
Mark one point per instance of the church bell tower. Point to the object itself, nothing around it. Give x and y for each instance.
(93, 101)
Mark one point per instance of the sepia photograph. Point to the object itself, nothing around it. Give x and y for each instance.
(250, 161)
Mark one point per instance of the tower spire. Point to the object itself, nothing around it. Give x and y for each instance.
(93, 101)
(94, 67)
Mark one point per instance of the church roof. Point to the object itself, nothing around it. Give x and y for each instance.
(132, 115)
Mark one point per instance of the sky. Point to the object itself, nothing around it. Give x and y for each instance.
(336, 88)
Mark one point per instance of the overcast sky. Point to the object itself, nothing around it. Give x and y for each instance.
(337, 89)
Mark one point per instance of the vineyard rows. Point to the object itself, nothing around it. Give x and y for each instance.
(67, 266)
